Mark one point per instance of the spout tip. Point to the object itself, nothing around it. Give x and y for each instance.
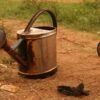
(2, 38)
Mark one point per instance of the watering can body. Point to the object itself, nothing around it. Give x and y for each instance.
(39, 51)
(36, 48)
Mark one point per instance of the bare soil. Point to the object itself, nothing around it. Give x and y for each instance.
(67, 1)
(77, 62)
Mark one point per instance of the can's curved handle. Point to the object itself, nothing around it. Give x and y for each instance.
(37, 14)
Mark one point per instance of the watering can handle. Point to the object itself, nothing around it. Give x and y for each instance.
(37, 14)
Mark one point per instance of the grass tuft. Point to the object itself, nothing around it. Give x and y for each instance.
(83, 16)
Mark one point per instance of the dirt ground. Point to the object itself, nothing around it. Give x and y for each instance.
(67, 1)
(77, 62)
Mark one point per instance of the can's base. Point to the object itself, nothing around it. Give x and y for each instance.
(39, 75)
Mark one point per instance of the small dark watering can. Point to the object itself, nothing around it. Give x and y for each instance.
(98, 49)
(36, 48)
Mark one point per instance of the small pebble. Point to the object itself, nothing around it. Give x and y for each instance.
(9, 88)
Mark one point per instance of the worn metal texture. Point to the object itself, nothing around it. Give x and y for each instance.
(36, 48)
(39, 46)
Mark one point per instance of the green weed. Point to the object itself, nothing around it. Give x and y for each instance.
(6, 60)
(83, 16)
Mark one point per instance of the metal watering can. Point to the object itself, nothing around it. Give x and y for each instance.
(35, 50)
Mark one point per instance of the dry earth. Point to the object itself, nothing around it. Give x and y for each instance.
(77, 62)
(67, 1)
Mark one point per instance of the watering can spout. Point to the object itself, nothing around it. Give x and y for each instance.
(4, 45)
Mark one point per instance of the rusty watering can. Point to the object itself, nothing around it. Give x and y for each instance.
(35, 50)
(98, 49)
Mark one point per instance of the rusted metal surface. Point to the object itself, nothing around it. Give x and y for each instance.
(98, 49)
(41, 46)
(36, 48)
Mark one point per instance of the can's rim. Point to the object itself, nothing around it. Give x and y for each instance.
(37, 32)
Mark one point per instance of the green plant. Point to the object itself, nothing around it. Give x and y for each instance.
(83, 16)
(32, 3)
(6, 60)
